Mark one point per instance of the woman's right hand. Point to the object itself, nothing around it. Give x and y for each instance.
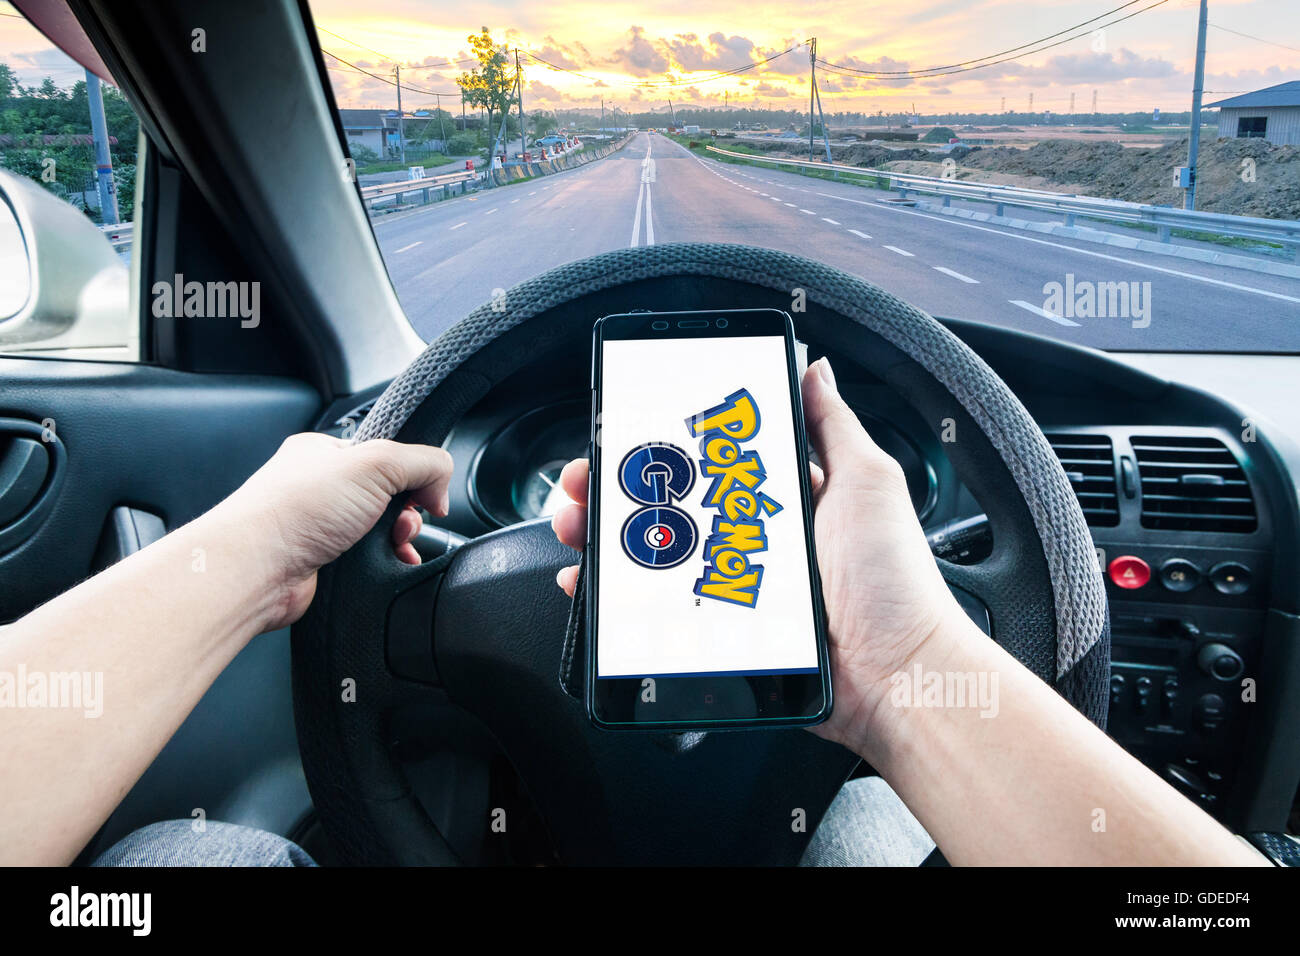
(885, 599)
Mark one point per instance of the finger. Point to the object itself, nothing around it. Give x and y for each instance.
(567, 579)
(817, 476)
(835, 431)
(573, 479)
(407, 554)
(423, 470)
(407, 526)
(570, 526)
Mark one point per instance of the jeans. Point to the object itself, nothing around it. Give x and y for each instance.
(175, 843)
(866, 825)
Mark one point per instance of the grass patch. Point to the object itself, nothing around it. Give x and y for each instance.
(433, 159)
(754, 157)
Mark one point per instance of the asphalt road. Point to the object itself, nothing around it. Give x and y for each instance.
(447, 258)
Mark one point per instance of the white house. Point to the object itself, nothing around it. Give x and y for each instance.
(1272, 114)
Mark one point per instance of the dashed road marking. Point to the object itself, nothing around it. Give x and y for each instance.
(955, 275)
(901, 252)
(408, 248)
(1059, 320)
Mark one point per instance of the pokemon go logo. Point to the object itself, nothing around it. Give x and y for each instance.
(738, 529)
(660, 475)
(658, 535)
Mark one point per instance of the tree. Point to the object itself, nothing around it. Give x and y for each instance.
(490, 85)
(541, 124)
(8, 83)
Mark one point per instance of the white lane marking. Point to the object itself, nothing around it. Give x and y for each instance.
(831, 221)
(513, 201)
(777, 199)
(1083, 252)
(457, 226)
(408, 248)
(765, 195)
(808, 211)
(1059, 320)
(790, 204)
(491, 211)
(533, 193)
(955, 275)
(636, 220)
(901, 252)
(860, 235)
(649, 217)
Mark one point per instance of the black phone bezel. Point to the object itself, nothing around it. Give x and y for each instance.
(685, 703)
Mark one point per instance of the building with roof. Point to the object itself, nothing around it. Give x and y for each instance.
(1271, 114)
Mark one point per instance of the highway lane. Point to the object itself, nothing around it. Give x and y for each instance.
(447, 258)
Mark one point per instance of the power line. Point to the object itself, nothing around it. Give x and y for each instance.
(1257, 39)
(384, 56)
(390, 82)
(967, 65)
(657, 84)
(922, 74)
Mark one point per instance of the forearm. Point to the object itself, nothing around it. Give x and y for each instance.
(1029, 780)
(204, 592)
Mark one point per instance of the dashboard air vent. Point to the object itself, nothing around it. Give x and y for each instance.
(1089, 463)
(1192, 484)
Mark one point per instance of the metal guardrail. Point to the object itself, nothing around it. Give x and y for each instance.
(369, 194)
(119, 235)
(1163, 218)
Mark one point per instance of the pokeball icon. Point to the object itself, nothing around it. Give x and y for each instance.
(659, 536)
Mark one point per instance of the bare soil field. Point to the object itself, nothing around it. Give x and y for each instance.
(1244, 177)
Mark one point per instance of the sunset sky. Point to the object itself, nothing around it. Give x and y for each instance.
(638, 55)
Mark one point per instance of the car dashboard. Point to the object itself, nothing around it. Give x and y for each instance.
(1191, 508)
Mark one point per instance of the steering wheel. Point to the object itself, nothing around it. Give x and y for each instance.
(489, 622)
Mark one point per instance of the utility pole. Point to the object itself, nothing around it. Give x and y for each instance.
(1194, 139)
(1003, 107)
(1071, 107)
(442, 130)
(1094, 106)
(103, 160)
(602, 114)
(519, 88)
(401, 130)
(812, 90)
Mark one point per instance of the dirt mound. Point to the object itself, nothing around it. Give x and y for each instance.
(1246, 177)
(868, 154)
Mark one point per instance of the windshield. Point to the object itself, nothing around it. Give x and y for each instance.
(1004, 162)
(1012, 163)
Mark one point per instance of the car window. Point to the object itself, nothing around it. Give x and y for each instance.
(69, 158)
(1004, 161)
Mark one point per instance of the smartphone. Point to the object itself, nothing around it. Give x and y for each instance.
(704, 605)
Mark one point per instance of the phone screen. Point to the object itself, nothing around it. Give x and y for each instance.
(704, 564)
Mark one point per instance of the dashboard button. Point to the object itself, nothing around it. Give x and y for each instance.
(1129, 572)
(1230, 578)
(1220, 661)
(1176, 574)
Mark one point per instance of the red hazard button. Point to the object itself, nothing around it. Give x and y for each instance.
(1129, 572)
